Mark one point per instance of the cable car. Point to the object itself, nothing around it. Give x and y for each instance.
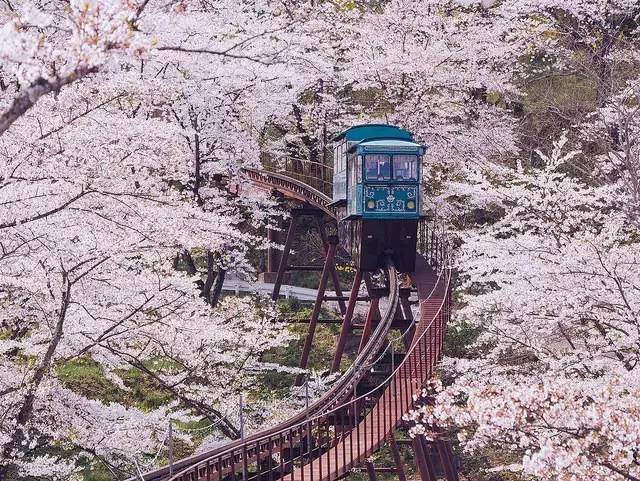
(377, 172)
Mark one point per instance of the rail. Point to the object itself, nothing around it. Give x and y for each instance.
(318, 175)
(343, 427)
(347, 445)
(326, 445)
(293, 188)
(340, 390)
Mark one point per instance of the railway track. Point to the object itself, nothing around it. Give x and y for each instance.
(345, 426)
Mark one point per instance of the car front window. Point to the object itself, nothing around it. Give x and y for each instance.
(378, 166)
(405, 167)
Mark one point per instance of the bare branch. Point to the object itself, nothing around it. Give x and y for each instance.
(28, 97)
(220, 53)
(47, 213)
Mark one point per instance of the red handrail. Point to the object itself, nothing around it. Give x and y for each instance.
(322, 451)
(395, 396)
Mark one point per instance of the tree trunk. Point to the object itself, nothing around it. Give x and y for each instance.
(26, 410)
(213, 284)
(217, 288)
(602, 67)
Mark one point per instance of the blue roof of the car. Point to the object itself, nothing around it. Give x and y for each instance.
(389, 143)
(371, 131)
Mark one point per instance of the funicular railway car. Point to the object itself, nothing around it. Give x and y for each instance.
(376, 187)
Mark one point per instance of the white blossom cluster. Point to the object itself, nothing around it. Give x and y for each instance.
(36, 42)
(567, 429)
(124, 125)
(552, 284)
(132, 161)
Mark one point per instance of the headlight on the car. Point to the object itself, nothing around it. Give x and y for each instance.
(411, 205)
(371, 204)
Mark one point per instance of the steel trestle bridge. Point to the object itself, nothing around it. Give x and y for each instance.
(363, 410)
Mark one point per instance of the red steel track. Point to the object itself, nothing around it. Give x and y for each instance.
(291, 188)
(394, 397)
(345, 426)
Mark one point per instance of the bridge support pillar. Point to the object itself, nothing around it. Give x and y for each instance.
(328, 264)
(284, 257)
(395, 452)
(334, 274)
(346, 322)
(279, 261)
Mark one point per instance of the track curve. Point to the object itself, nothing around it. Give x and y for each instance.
(266, 440)
(292, 188)
(342, 428)
(395, 394)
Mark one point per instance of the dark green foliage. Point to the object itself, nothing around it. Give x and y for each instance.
(460, 336)
(147, 394)
(96, 473)
(324, 339)
(85, 376)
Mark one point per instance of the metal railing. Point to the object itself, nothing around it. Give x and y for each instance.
(335, 435)
(343, 427)
(318, 175)
(242, 453)
(340, 390)
(296, 189)
(327, 445)
(432, 243)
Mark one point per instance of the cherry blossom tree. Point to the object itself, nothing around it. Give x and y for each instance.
(551, 282)
(124, 127)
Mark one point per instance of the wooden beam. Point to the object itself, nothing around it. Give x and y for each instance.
(346, 298)
(395, 452)
(404, 442)
(383, 469)
(299, 320)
